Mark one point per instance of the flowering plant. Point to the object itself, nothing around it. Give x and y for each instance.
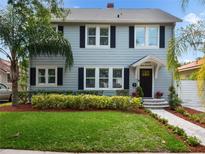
(158, 94)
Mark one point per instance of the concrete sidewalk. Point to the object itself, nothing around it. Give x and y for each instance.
(7, 151)
(190, 128)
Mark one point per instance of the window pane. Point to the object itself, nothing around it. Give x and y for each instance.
(153, 36)
(104, 72)
(92, 31)
(117, 73)
(117, 83)
(104, 31)
(41, 72)
(91, 41)
(103, 40)
(90, 83)
(51, 72)
(140, 36)
(103, 83)
(90, 72)
(51, 80)
(41, 80)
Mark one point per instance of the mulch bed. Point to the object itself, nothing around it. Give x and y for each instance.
(191, 111)
(29, 108)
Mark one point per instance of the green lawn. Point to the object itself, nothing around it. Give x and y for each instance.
(85, 132)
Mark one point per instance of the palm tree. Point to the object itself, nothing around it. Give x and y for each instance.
(192, 36)
(25, 28)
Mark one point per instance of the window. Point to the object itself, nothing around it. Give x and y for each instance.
(91, 36)
(104, 38)
(90, 78)
(117, 78)
(97, 36)
(8, 78)
(140, 36)
(146, 36)
(104, 77)
(51, 76)
(152, 36)
(41, 76)
(46, 76)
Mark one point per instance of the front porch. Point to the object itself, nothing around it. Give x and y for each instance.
(146, 71)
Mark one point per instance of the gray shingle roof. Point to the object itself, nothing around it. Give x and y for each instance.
(80, 15)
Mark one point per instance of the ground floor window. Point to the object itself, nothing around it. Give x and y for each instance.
(46, 76)
(104, 78)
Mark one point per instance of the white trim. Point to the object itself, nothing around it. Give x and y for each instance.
(97, 36)
(46, 84)
(110, 78)
(146, 46)
(149, 58)
(147, 67)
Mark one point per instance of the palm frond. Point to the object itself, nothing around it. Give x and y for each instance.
(44, 40)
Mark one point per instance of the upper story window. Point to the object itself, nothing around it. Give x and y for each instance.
(146, 36)
(97, 36)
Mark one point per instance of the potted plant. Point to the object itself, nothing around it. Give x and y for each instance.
(158, 94)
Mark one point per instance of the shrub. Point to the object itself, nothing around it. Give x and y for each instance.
(174, 100)
(193, 141)
(179, 131)
(85, 102)
(139, 92)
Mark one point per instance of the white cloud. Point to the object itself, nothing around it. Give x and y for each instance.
(76, 6)
(192, 18)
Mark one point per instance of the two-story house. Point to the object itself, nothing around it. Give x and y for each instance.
(113, 49)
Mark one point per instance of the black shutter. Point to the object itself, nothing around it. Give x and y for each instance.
(162, 37)
(60, 76)
(82, 36)
(126, 78)
(80, 78)
(61, 29)
(33, 76)
(131, 37)
(112, 36)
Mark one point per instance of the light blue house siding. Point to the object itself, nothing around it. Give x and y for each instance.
(121, 56)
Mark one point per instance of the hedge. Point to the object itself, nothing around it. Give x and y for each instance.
(85, 102)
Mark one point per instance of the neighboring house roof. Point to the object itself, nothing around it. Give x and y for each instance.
(111, 15)
(191, 66)
(5, 65)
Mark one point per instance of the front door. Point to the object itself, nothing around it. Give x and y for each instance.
(146, 81)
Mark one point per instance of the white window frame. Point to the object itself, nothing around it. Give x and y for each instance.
(97, 39)
(97, 78)
(146, 27)
(46, 84)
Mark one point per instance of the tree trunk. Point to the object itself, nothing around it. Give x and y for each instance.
(14, 79)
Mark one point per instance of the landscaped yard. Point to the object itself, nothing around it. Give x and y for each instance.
(85, 132)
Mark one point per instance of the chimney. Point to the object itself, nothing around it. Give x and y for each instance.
(110, 5)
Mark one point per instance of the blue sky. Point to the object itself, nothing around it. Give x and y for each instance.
(194, 12)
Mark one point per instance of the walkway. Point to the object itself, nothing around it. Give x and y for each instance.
(190, 128)
(41, 152)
